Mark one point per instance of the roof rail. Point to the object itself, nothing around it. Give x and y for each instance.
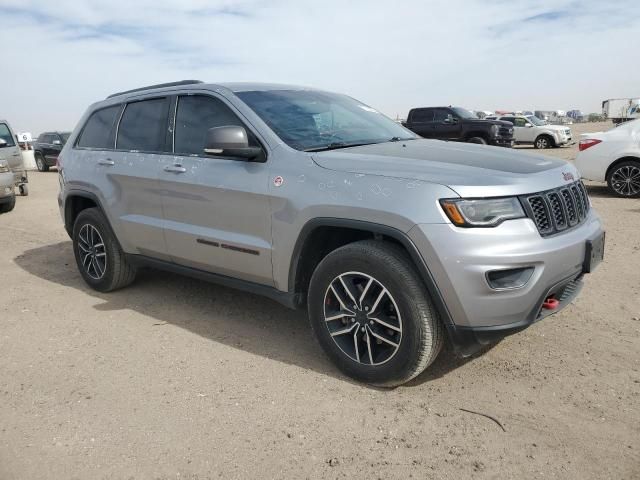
(159, 85)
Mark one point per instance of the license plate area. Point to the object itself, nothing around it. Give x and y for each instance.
(594, 253)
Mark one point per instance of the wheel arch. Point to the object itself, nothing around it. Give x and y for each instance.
(546, 134)
(626, 158)
(321, 236)
(75, 202)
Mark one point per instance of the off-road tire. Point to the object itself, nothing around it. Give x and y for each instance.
(118, 271)
(422, 330)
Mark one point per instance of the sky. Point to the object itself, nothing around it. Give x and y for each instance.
(59, 57)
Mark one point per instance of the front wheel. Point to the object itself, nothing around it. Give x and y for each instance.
(478, 140)
(7, 207)
(24, 189)
(624, 179)
(371, 314)
(543, 142)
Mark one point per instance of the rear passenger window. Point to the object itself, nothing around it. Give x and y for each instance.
(195, 115)
(424, 115)
(98, 132)
(144, 126)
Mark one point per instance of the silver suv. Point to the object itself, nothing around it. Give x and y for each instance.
(319, 201)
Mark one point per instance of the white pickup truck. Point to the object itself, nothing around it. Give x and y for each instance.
(530, 129)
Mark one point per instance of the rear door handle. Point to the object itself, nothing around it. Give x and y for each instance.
(177, 168)
(106, 161)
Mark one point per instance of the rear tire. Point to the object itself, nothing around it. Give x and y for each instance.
(99, 258)
(543, 142)
(41, 164)
(478, 140)
(392, 337)
(7, 207)
(624, 179)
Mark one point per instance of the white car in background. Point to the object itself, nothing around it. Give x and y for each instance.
(529, 129)
(613, 157)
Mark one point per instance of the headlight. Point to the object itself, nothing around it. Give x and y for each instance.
(4, 168)
(487, 212)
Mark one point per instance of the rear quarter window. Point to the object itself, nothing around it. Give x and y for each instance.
(99, 131)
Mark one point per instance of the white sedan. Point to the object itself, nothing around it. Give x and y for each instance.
(613, 157)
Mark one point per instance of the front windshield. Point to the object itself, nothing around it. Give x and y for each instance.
(310, 120)
(536, 121)
(464, 113)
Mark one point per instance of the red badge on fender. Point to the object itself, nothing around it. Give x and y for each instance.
(278, 181)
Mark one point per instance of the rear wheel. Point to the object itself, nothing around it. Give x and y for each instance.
(101, 261)
(371, 314)
(624, 179)
(543, 141)
(478, 140)
(40, 163)
(7, 207)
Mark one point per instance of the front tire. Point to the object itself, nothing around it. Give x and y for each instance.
(99, 258)
(371, 314)
(24, 190)
(41, 164)
(543, 142)
(7, 207)
(624, 179)
(478, 140)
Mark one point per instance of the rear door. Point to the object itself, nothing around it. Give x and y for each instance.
(117, 157)
(216, 210)
(9, 150)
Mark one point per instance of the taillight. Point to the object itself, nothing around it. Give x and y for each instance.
(589, 142)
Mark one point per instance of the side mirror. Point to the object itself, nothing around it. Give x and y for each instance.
(57, 142)
(230, 141)
(528, 125)
(3, 143)
(449, 119)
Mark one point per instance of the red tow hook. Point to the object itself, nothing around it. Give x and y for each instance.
(550, 303)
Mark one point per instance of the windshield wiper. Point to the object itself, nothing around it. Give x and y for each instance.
(335, 146)
(398, 139)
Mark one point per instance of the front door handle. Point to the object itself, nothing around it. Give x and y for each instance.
(177, 168)
(107, 162)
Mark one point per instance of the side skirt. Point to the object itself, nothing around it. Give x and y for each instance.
(287, 299)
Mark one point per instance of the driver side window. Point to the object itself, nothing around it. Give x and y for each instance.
(519, 122)
(195, 115)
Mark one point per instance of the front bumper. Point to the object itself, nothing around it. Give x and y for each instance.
(459, 259)
(502, 142)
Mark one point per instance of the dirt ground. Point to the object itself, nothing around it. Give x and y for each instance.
(173, 378)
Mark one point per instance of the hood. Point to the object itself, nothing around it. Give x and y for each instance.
(471, 170)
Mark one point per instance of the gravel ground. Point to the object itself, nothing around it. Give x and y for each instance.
(176, 378)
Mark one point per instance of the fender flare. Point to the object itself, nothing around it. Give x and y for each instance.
(380, 229)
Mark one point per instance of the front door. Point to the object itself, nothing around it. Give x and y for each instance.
(216, 210)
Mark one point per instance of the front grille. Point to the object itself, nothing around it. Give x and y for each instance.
(556, 210)
(506, 132)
